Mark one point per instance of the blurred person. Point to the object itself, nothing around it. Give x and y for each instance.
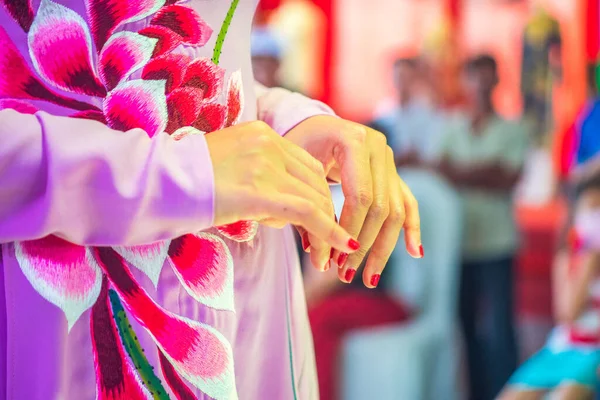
(266, 52)
(482, 154)
(142, 176)
(414, 125)
(568, 364)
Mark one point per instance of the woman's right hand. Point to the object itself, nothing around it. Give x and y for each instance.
(261, 177)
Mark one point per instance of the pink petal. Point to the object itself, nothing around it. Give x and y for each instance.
(137, 104)
(17, 80)
(106, 15)
(185, 22)
(147, 258)
(185, 131)
(204, 74)
(20, 11)
(169, 67)
(184, 105)
(115, 377)
(61, 50)
(177, 385)
(204, 265)
(235, 99)
(241, 231)
(124, 53)
(167, 39)
(197, 351)
(91, 115)
(211, 117)
(63, 273)
(17, 105)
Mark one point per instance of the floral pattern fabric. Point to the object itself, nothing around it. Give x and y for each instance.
(75, 59)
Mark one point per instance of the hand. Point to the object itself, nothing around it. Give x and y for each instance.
(261, 177)
(378, 203)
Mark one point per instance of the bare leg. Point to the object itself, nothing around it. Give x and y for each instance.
(572, 392)
(516, 393)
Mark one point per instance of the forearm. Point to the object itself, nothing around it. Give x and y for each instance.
(572, 289)
(489, 177)
(282, 110)
(92, 185)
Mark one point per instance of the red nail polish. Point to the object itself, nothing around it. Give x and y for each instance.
(350, 275)
(421, 251)
(331, 253)
(342, 259)
(375, 280)
(305, 241)
(353, 244)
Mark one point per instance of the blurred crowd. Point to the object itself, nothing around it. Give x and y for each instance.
(478, 156)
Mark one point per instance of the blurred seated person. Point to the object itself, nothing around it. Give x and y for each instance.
(568, 364)
(336, 308)
(414, 125)
(266, 57)
(482, 155)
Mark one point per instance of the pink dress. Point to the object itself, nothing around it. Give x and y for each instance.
(103, 106)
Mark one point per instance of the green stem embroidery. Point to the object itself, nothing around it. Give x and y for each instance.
(135, 351)
(223, 32)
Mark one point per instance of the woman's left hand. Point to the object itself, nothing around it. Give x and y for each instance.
(378, 204)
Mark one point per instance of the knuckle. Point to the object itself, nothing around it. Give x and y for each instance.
(397, 215)
(379, 137)
(379, 209)
(359, 133)
(364, 198)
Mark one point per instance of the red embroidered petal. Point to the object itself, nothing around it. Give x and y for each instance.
(211, 117)
(169, 67)
(61, 50)
(20, 11)
(92, 115)
(204, 74)
(17, 80)
(184, 105)
(124, 53)
(235, 99)
(63, 273)
(241, 231)
(185, 22)
(204, 265)
(137, 104)
(115, 377)
(147, 258)
(106, 15)
(17, 105)
(167, 39)
(177, 385)
(197, 351)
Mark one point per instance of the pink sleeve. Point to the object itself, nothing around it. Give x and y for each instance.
(92, 185)
(282, 110)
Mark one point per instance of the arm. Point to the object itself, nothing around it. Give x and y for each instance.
(282, 110)
(492, 176)
(571, 287)
(92, 185)
(585, 171)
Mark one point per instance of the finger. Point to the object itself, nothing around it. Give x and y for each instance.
(304, 237)
(315, 179)
(304, 157)
(300, 211)
(319, 251)
(355, 169)
(412, 223)
(388, 236)
(379, 208)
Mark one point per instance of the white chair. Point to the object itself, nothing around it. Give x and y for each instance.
(417, 360)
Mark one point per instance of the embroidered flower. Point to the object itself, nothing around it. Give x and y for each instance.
(175, 94)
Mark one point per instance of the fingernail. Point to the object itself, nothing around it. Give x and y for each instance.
(331, 253)
(350, 275)
(305, 241)
(327, 265)
(421, 251)
(342, 259)
(353, 244)
(375, 280)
